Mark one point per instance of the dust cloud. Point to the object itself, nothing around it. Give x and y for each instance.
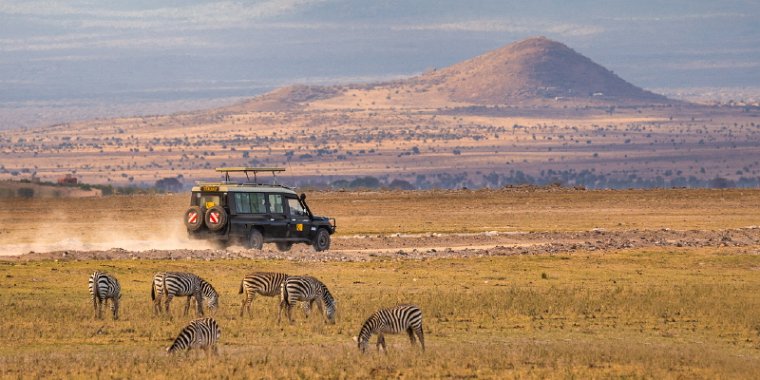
(60, 231)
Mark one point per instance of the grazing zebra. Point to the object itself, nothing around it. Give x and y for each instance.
(102, 287)
(179, 284)
(200, 333)
(308, 290)
(393, 320)
(267, 284)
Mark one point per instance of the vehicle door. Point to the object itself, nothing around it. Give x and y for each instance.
(278, 219)
(299, 222)
(249, 209)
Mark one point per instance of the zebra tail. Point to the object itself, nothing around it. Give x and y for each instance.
(164, 288)
(95, 286)
(153, 292)
(241, 287)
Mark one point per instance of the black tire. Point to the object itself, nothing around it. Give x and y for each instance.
(283, 246)
(322, 240)
(215, 218)
(255, 239)
(193, 218)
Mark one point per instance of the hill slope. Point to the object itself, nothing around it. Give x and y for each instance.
(535, 71)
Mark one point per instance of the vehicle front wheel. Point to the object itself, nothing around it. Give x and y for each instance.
(255, 239)
(322, 241)
(283, 246)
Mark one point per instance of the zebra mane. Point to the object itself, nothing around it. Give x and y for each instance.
(326, 296)
(208, 289)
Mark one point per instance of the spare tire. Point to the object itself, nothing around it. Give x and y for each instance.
(216, 218)
(193, 218)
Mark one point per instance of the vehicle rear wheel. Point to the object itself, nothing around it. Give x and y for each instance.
(322, 241)
(255, 239)
(283, 246)
(216, 218)
(193, 218)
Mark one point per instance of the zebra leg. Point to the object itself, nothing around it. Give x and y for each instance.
(99, 312)
(290, 309)
(199, 301)
(157, 303)
(187, 305)
(307, 308)
(167, 303)
(246, 304)
(381, 342)
(410, 331)
(115, 308)
(421, 336)
(95, 305)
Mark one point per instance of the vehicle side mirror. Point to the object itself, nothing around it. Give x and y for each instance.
(303, 197)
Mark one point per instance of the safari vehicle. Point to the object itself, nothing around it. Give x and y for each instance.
(252, 213)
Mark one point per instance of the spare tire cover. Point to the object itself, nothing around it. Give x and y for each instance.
(216, 218)
(193, 218)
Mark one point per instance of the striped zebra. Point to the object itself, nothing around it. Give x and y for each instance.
(102, 288)
(308, 290)
(180, 284)
(267, 284)
(394, 320)
(200, 333)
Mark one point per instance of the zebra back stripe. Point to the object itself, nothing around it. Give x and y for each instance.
(265, 283)
(200, 333)
(103, 286)
(393, 320)
(307, 289)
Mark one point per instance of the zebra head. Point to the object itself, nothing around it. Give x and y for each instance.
(362, 341)
(329, 302)
(213, 302)
(330, 313)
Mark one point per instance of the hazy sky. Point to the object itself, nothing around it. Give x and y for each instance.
(119, 51)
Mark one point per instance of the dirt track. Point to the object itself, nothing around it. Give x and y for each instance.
(384, 247)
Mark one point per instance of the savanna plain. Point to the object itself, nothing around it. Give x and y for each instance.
(527, 283)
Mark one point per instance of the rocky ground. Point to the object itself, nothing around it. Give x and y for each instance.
(424, 246)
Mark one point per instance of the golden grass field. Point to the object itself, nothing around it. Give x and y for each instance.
(655, 312)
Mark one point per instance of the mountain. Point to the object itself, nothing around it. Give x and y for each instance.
(535, 71)
(536, 68)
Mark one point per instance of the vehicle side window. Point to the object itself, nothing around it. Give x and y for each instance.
(275, 204)
(258, 203)
(295, 207)
(250, 203)
(242, 203)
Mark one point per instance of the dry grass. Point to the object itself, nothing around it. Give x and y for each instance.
(347, 137)
(125, 221)
(686, 313)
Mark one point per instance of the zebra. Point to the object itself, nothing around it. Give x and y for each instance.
(308, 290)
(267, 284)
(200, 333)
(392, 320)
(102, 287)
(171, 284)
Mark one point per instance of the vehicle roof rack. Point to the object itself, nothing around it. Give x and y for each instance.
(247, 170)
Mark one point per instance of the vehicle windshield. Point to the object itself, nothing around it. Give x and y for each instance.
(295, 208)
